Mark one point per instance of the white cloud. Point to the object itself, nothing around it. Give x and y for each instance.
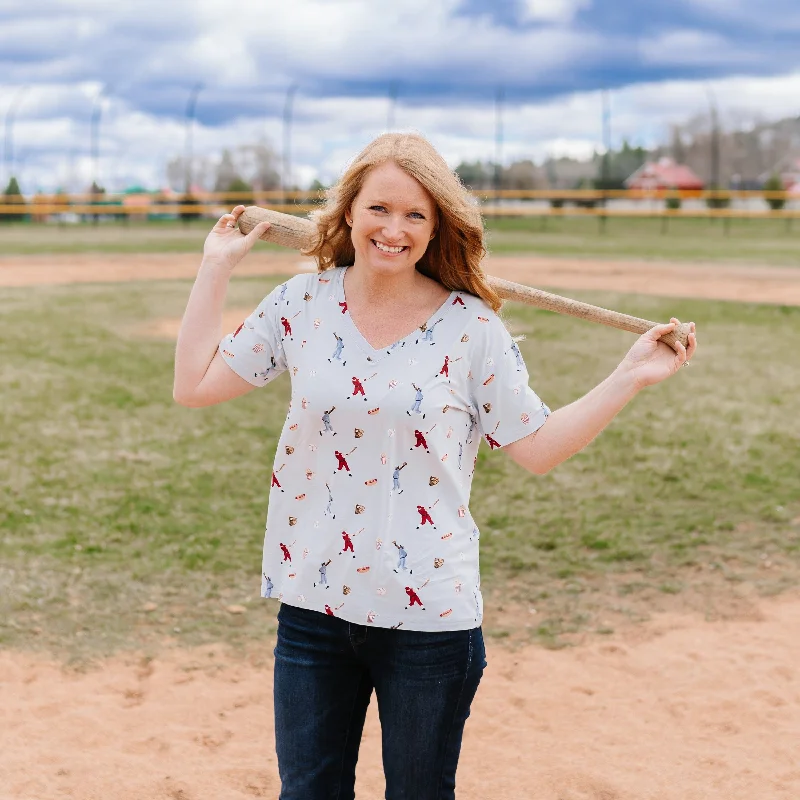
(552, 10)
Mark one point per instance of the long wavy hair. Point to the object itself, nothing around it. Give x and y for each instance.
(454, 255)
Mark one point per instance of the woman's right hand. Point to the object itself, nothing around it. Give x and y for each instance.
(226, 245)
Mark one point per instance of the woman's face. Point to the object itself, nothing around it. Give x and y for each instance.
(393, 218)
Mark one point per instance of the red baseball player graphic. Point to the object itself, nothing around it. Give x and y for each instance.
(287, 556)
(287, 327)
(458, 300)
(275, 481)
(348, 543)
(492, 442)
(445, 370)
(413, 597)
(425, 516)
(343, 306)
(329, 611)
(358, 386)
(236, 332)
(343, 461)
(421, 439)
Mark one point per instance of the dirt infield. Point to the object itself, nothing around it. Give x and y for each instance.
(679, 708)
(713, 281)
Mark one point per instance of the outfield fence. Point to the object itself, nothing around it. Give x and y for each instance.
(657, 203)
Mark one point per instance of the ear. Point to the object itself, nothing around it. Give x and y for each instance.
(348, 217)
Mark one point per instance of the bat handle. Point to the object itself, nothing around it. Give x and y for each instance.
(509, 290)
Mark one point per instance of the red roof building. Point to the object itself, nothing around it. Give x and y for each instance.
(664, 174)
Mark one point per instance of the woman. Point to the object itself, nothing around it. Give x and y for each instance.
(399, 365)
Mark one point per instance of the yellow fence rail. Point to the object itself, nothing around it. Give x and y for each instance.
(728, 204)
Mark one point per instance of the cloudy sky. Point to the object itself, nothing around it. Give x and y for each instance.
(444, 59)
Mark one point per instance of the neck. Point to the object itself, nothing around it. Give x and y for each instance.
(380, 289)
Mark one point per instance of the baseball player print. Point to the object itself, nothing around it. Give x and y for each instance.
(263, 375)
(420, 439)
(275, 481)
(342, 461)
(323, 574)
(287, 555)
(287, 326)
(329, 506)
(491, 440)
(396, 479)
(268, 586)
(425, 517)
(413, 597)
(347, 539)
(358, 386)
(415, 407)
(326, 421)
(457, 301)
(282, 295)
(402, 554)
(337, 353)
(515, 350)
(427, 332)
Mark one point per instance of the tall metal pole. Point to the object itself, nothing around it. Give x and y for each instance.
(498, 138)
(287, 140)
(8, 148)
(189, 155)
(604, 167)
(392, 106)
(97, 111)
(712, 105)
(606, 138)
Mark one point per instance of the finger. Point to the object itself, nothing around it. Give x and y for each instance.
(692, 345)
(657, 331)
(255, 234)
(223, 222)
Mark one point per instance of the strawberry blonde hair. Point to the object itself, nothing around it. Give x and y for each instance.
(454, 255)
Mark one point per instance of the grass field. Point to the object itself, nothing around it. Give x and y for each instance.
(115, 500)
(756, 242)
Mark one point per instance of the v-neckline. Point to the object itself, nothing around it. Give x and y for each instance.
(373, 353)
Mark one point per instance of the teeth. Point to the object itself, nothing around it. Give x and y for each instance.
(387, 249)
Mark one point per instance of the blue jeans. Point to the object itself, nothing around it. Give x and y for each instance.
(325, 671)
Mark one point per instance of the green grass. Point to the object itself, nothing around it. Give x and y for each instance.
(114, 497)
(772, 242)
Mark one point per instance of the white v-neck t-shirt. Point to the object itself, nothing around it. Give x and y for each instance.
(368, 517)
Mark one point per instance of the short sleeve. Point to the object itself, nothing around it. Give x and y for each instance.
(508, 409)
(254, 351)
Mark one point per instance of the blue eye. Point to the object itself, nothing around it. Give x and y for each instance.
(382, 208)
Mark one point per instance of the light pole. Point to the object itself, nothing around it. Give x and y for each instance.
(94, 144)
(8, 148)
(712, 106)
(604, 176)
(287, 140)
(392, 106)
(498, 139)
(190, 107)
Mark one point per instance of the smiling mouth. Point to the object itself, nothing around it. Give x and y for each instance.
(387, 249)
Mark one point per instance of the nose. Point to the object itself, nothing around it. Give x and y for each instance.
(393, 229)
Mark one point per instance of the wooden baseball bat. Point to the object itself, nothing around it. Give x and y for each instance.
(298, 233)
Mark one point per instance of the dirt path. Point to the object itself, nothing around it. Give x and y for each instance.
(713, 281)
(679, 709)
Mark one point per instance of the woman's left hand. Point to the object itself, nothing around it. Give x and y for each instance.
(650, 361)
